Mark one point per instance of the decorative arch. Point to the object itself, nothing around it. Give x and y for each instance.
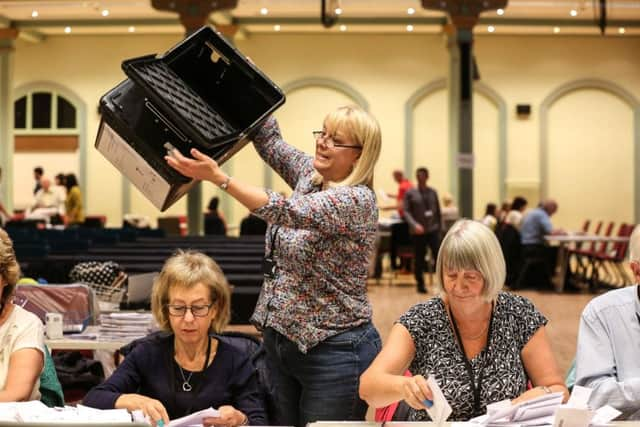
(479, 87)
(81, 117)
(604, 86)
(307, 82)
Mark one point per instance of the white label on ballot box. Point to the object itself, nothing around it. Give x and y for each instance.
(133, 166)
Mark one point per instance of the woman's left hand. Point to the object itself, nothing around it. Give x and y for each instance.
(229, 417)
(201, 167)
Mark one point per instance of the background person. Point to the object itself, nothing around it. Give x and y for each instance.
(422, 213)
(47, 203)
(313, 308)
(38, 172)
(607, 358)
(483, 345)
(214, 223)
(193, 368)
(21, 335)
(74, 212)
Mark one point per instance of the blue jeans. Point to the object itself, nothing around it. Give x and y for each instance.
(321, 385)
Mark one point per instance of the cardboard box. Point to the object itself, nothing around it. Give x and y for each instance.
(202, 93)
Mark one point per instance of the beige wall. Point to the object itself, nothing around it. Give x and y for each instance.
(387, 70)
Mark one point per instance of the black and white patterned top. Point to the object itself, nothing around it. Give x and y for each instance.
(515, 320)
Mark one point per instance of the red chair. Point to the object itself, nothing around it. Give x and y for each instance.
(608, 266)
(581, 255)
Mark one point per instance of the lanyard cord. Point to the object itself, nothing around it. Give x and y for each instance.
(273, 241)
(475, 388)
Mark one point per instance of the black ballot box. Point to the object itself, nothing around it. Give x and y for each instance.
(202, 93)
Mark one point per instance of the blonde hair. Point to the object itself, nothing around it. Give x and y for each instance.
(186, 269)
(471, 245)
(9, 267)
(363, 129)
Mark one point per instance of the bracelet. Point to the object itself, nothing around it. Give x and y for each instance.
(546, 389)
(225, 184)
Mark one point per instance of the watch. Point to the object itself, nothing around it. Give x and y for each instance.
(225, 184)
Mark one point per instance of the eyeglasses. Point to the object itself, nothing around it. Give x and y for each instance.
(469, 276)
(181, 310)
(330, 142)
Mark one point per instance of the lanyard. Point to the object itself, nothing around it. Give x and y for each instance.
(475, 388)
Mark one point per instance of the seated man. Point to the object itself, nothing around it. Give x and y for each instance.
(48, 202)
(607, 358)
(535, 225)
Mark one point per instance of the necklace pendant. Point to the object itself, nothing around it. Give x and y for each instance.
(186, 386)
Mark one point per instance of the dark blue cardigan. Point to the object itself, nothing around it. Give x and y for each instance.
(149, 370)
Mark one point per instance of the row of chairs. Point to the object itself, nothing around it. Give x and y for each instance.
(601, 264)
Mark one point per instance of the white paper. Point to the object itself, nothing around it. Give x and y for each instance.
(531, 412)
(441, 409)
(604, 415)
(572, 417)
(194, 419)
(579, 397)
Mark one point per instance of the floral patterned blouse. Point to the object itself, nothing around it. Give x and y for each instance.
(515, 320)
(321, 242)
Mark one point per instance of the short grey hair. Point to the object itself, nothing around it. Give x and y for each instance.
(634, 244)
(471, 245)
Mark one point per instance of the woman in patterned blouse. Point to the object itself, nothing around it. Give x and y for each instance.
(313, 308)
(481, 345)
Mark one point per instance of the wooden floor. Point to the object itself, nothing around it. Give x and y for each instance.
(563, 311)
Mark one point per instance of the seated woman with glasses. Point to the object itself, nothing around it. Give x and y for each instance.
(193, 368)
(313, 309)
(480, 344)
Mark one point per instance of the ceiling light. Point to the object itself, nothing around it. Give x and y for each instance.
(491, 28)
(411, 11)
(34, 14)
(409, 27)
(621, 30)
(500, 12)
(132, 29)
(105, 12)
(556, 30)
(67, 30)
(264, 11)
(338, 11)
(343, 27)
(573, 12)
(277, 27)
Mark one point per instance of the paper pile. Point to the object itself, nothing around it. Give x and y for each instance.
(36, 411)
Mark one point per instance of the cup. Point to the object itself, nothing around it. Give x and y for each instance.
(53, 326)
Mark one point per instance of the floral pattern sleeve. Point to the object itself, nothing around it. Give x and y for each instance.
(288, 162)
(349, 210)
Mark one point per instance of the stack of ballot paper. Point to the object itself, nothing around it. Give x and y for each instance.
(38, 412)
(548, 410)
(534, 412)
(125, 326)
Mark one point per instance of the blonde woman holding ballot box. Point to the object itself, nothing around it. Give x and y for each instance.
(313, 308)
(481, 344)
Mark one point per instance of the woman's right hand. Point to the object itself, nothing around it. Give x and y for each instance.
(152, 408)
(417, 393)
